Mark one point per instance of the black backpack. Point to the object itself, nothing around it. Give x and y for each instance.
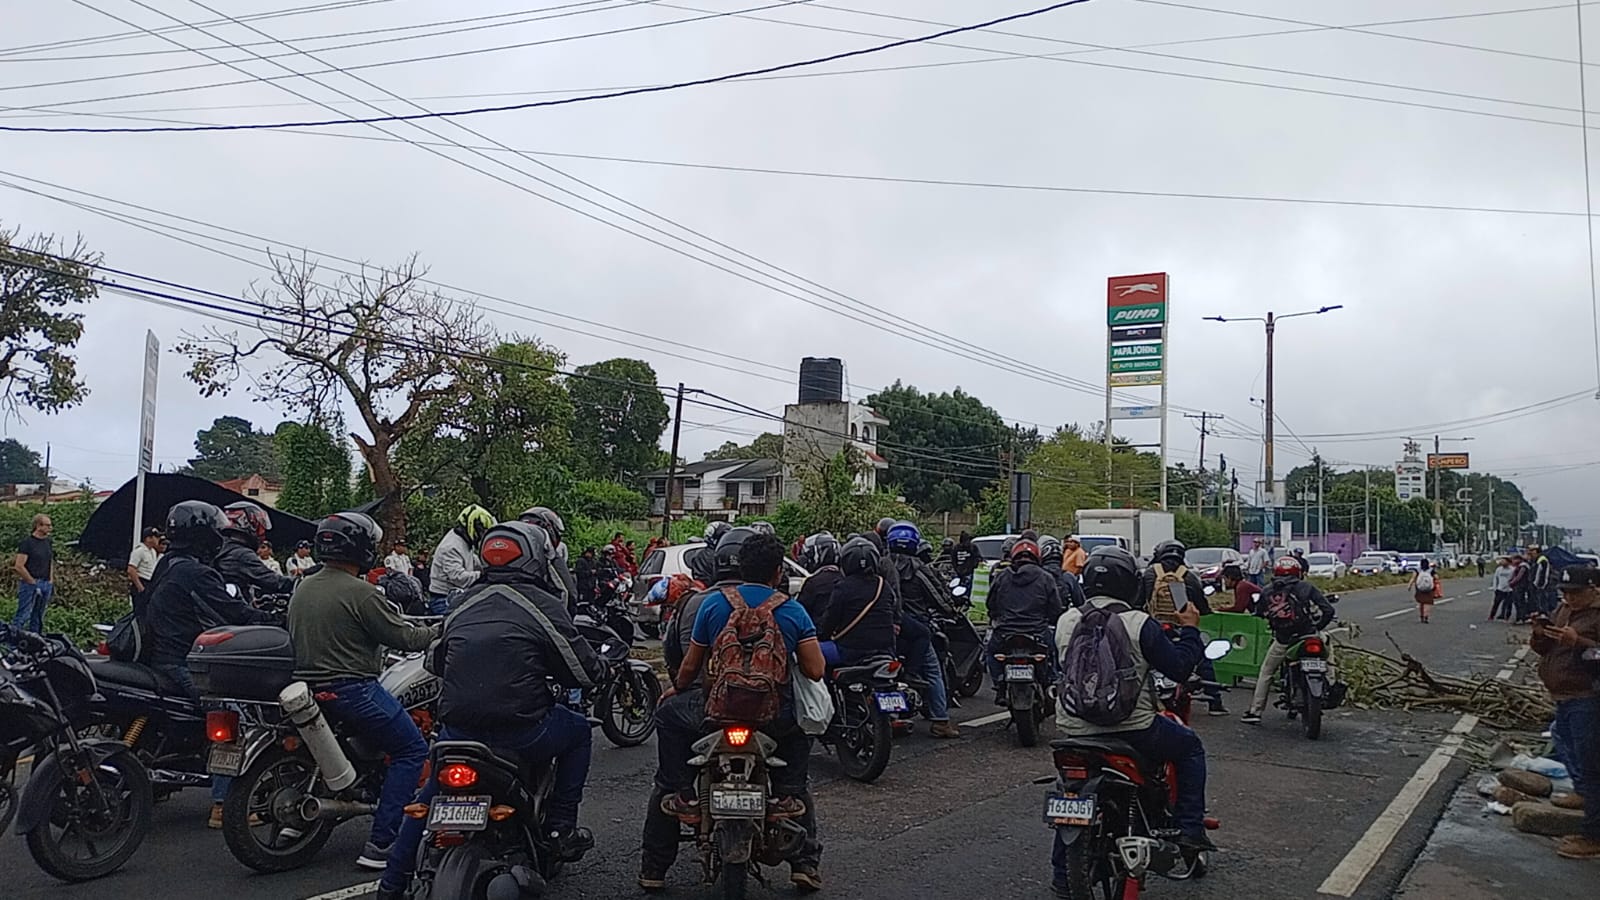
(1100, 681)
(1286, 609)
(126, 642)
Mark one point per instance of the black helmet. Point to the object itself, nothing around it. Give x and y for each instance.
(763, 528)
(821, 549)
(247, 523)
(715, 531)
(518, 547)
(859, 556)
(349, 537)
(884, 524)
(925, 552)
(702, 565)
(726, 555)
(196, 526)
(1050, 550)
(1111, 571)
(1169, 553)
(947, 544)
(546, 518)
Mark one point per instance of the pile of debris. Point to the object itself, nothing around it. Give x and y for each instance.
(1379, 681)
(1534, 791)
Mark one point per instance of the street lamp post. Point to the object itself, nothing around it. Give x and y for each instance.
(1438, 479)
(1271, 321)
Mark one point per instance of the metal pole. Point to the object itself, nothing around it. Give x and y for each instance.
(1366, 508)
(1438, 505)
(1166, 350)
(672, 466)
(1108, 422)
(1272, 492)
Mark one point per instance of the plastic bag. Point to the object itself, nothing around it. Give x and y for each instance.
(1497, 808)
(1545, 766)
(1488, 785)
(813, 702)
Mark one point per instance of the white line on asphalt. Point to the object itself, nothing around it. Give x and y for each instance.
(1357, 864)
(1511, 667)
(354, 890)
(1411, 609)
(987, 720)
(1474, 593)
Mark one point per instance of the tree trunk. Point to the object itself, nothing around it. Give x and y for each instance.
(386, 485)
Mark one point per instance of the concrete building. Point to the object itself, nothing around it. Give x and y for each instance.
(719, 488)
(823, 423)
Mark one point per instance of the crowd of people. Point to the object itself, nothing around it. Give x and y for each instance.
(1525, 585)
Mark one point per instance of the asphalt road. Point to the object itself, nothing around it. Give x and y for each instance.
(962, 818)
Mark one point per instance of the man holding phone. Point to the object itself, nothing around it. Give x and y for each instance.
(1571, 680)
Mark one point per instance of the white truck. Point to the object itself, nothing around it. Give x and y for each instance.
(1137, 530)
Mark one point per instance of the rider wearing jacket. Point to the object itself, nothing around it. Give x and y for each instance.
(1111, 578)
(1286, 576)
(505, 641)
(238, 560)
(921, 595)
(859, 621)
(455, 561)
(560, 574)
(819, 555)
(1023, 599)
(1167, 559)
(1052, 554)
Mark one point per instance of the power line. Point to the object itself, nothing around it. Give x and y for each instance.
(253, 17)
(716, 79)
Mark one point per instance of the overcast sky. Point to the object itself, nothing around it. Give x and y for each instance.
(1448, 314)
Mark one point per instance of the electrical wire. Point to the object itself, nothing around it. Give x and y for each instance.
(253, 17)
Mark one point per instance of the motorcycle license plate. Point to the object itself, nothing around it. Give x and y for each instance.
(738, 802)
(891, 701)
(458, 814)
(1314, 665)
(1069, 810)
(225, 759)
(1019, 673)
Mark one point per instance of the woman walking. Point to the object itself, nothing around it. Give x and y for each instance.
(1501, 608)
(1425, 588)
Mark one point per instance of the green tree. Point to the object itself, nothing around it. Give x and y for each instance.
(1198, 531)
(766, 446)
(602, 500)
(619, 417)
(316, 469)
(19, 464)
(933, 438)
(947, 496)
(233, 448)
(42, 282)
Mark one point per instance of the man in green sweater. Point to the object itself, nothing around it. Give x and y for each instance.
(339, 624)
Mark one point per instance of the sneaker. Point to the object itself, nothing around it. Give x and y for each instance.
(215, 821)
(945, 729)
(1199, 842)
(684, 810)
(786, 808)
(1217, 709)
(570, 844)
(374, 857)
(652, 877)
(1578, 846)
(1567, 801)
(805, 876)
(1251, 718)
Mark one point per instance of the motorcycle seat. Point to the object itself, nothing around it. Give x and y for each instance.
(860, 671)
(138, 676)
(1104, 746)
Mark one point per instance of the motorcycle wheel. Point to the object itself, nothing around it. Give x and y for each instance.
(1311, 720)
(1027, 726)
(973, 683)
(8, 804)
(627, 708)
(111, 833)
(275, 781)
(460, 875)
(866, 743)
(651, 630)
(731, 883)
(1090, 874)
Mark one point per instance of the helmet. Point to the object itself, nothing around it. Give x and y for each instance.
(859, 556)
(702, 565)
(821, 549)
(947, 545)
(925, 552)
(247, 522)
(349, 537)
(726, 556)
(474, 522)
(903, 537)
(763, 528)
(546, 518)
(884, 524)
(404, 591)
(1287, 567)
(1025, 549)
(1006, 546)
(196, 525)
(715, 531)
(518, 547)
(1111, 571)
(1169, 553)
(1050, 550)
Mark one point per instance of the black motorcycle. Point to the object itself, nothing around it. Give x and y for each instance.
(958, 643)
(1305, 684)
(1029, 691)
(487, 826)
(87, 803)
(625, 700)
(866, 697)
(738, 829)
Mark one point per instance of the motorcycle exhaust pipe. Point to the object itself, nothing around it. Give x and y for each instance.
(301, 708)
(313, 809)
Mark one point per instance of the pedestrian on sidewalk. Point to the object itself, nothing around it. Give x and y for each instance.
(1570, 680)
(1519, 588)
(1425, 588)
(1256, 564)
(1543, 589)
(1501, 608)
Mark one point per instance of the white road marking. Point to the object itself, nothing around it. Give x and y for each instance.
(1000, 716)
(1411, 609)
(354, 890)
(1511, 667)
(1474, 593)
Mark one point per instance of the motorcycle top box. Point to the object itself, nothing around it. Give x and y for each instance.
(242, 662)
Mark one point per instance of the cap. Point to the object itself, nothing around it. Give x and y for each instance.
(303, 545)
(150, 531)
(1576, 578)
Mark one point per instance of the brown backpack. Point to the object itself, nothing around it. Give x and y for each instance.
(749, 663)
(1163, 608)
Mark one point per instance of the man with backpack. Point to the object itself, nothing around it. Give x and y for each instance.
(1160, 586)
(1109, 642)
(1294, 609)
(1023, 599)
(741, 642)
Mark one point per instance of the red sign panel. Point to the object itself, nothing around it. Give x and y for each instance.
(1136, 290)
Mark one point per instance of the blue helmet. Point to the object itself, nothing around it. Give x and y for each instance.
(903, 537)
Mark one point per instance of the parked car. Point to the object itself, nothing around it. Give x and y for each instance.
(1371, 565)
(989, 546)
(1325, 565)
(1411, 562)
(1207, 562)
(666, 562)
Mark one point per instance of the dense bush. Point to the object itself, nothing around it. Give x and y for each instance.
(607, 500)
(1198, 531)
(86, 593)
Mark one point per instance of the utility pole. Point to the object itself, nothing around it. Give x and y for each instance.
(672, 465)
(1205, 420)
(1438, 502)
(1366, 507)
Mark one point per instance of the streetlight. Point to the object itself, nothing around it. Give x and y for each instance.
(1271, 320)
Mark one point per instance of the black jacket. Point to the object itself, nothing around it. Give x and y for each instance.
(921, 591)
(1071, 589)
(1024, 599)
(586, 571)
(185, 597)
(501, 645)
(815, 592)
(240, 566)
(886, 570)
(967, 559)
(1191, 586)
(1306, 593)
(875, 632)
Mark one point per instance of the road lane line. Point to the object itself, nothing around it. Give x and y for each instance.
(1411, 609)
(354, 890)
(1359, 862)
(987, 720)
(1511, 667)
(1474, 593)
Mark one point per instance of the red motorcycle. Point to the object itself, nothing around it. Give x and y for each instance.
(1112, 809)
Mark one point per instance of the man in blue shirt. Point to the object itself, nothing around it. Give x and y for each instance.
(760, 562)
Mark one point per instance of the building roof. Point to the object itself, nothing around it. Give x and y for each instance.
(755, 470)
(237, 485)
(699, 468)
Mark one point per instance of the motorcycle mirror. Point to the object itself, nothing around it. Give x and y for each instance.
(1210, 589)
(1255, 598)
(955, 583)
(233, 590)
(1217, 649)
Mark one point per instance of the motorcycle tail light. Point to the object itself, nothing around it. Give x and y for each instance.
(448, 838)
(1314, 647)
(737, 736)
(894, 666)
(416, 810)
(102, 649)
(458, 776)
(501, 813)
(222, 726)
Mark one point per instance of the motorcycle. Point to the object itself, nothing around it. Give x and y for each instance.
(626, 699)
(1029, 693)
(1304, 684)
(865, 698)
(959, 644)
(1112, 810)
(737, 830)
(82, 791)
(486, 825)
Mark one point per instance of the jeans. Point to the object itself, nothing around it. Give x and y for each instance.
(997, 668)
(438, 605)
(562, 735)
(180, 674)
(1269, 667)
(680, 721)
(1502, 606)
(916, 645)
(31, 601)
(1577, 728)
(1257, 578)
(1164, 741)
(365, 708)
